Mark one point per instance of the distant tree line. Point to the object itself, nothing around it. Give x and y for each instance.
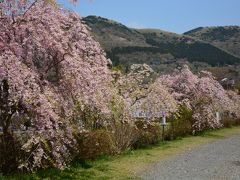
(202, 52)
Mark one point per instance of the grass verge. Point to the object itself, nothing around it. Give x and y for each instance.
(130, 163)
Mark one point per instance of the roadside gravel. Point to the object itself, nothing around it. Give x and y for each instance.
(219, 160)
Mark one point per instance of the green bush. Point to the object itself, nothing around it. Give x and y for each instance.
(226, 120)
(237, 121)
(124, 135)
(93, 144)
(147, 133)
(180, 123)
(229, 121)
(121, 125)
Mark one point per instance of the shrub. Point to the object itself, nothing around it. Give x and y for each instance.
(226, 120)
(229, 120)
(180, 123)
(94, 144)
(124, 135)
(237, 121)
(148, 132)
(120, 124)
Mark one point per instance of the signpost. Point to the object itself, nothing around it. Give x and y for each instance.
(218, 116)
(139, 113)
(163, 124)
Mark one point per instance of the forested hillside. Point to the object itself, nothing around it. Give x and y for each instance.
(162, 50)
(224, 37)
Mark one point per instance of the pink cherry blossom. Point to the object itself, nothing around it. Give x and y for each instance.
(52, 63)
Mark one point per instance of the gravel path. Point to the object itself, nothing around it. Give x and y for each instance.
(219, 160)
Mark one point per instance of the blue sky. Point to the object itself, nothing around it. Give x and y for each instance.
(171, 15)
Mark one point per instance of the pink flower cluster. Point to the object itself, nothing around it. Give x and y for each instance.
(188, 89)
(52, 63)
(145, 93)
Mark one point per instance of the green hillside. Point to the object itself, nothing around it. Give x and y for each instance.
(113, 34)
(162, 50)
(225, 37)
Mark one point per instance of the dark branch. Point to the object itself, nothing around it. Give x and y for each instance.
(32, 5)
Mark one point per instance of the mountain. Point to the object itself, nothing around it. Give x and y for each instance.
(224, 37)
(113, 34)
(162, 50)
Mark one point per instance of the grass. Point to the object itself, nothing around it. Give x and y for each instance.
(129, 164)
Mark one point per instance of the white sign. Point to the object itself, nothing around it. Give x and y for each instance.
(218, 116)
(164, 121)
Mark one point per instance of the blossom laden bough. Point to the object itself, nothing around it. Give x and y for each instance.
(52, 63)
(192, 90)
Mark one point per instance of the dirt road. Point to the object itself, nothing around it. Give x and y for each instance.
(219, 160)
